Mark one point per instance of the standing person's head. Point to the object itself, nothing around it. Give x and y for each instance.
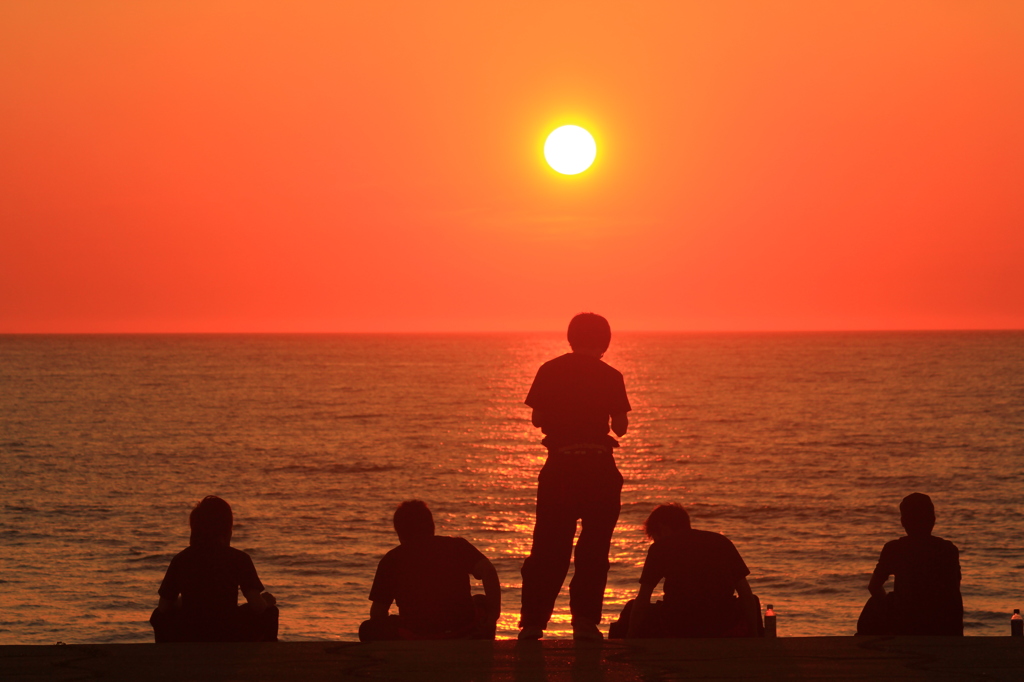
(665, 520)
(211, 522)
(917, 514)
(589, 333)
(413, 521)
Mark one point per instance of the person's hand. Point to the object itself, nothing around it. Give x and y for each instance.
(269, 599)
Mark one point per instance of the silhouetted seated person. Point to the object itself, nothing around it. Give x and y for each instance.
(925, 599)
(706, 592)
(427, 575)
(199, 593)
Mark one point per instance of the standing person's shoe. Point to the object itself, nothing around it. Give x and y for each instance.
(531, 633)
(585, 630)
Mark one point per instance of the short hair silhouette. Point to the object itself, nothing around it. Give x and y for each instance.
(413, 520)
(589, 330)
(917, 514)
(211, 522)
(667, 516)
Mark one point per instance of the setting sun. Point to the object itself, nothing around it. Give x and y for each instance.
(570, 150)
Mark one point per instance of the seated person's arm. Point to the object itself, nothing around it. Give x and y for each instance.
(640, 606)
(485, 571)
(749, 606)
(877, 585)
(258, 601)
(620, 423)
(379, 609)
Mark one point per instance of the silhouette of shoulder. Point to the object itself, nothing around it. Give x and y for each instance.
(438, 563)
(917, 556)
(694, 561)
(211, 573)
(197, 557)
(573, 367)
(437, 547)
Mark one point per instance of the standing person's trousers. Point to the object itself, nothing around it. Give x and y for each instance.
(577, 483)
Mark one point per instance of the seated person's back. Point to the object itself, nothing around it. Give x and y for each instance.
(206, 576)
(926, 596)
(429, 581)
(701, 570)
(705, 592)
(427, 575)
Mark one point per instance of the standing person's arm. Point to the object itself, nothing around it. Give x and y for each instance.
(641, 605)
(537, 418)
(619, 406)
(485, 571)
(166, 604)
(538, 398)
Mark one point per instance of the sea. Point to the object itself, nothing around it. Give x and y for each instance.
(797, 446)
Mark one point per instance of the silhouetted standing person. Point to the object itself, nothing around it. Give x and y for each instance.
(576, 399)
(199, 592)
(427, 575)
(925, 598)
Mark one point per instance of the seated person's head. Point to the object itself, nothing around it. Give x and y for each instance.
(666, 520)
(917, 514)
(413, 521)
(211, 522)
(589, 332)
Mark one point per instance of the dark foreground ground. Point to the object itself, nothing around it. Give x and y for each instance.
(790, 658)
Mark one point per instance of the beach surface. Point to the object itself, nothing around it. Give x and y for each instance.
(790, 658)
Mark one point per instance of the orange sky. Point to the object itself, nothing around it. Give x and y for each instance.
(376, 166)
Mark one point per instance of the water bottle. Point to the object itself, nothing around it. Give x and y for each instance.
(769, 622)
(1016, 624)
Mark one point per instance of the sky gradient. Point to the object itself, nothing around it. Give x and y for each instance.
(344, 167)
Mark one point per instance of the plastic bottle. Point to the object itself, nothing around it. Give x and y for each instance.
(1016, 624)
(769, 622)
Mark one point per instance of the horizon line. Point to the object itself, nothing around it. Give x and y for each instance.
(467, 332)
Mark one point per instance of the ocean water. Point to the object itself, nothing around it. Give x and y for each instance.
(797, 446)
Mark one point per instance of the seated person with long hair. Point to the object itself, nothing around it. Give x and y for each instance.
(427, 575)
(925, 599)
(199, 593)
(706, 592)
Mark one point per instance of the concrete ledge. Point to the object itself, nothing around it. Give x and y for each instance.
(789, 658)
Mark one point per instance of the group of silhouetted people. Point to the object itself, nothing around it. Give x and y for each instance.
(577, 399)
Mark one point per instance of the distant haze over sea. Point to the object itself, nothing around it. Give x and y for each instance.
(797, 446)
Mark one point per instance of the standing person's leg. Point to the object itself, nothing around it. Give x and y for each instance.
(545, 569)
(599, 516)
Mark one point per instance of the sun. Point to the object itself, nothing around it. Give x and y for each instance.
(570, 150)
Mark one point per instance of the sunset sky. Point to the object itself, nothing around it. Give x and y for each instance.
(377, 166)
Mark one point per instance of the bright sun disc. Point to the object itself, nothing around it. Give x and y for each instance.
(570, 150)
